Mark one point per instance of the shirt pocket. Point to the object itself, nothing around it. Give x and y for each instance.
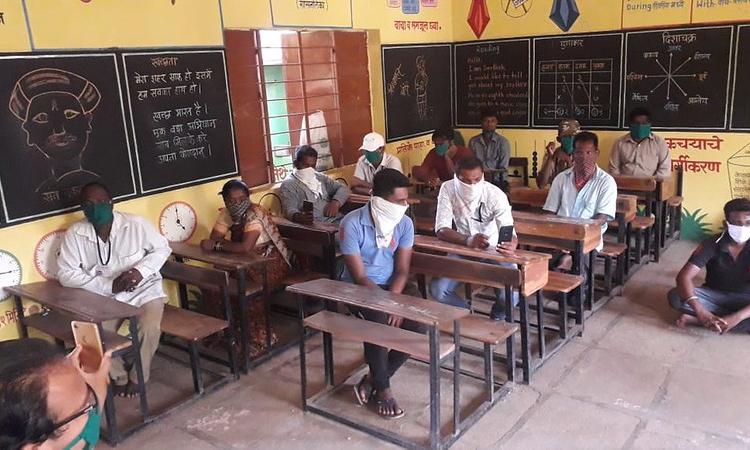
(131, 258)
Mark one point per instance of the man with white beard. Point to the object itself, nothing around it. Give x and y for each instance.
(376, 241)
(306, 184)
(478, 209)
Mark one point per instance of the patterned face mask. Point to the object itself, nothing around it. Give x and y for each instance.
(237, 210)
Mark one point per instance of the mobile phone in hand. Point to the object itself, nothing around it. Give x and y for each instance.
(307, 207)
(506, 234)
(86, 335)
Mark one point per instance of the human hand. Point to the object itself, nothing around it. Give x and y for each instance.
(332, 208)
(507, 248)
(395, 321)
(478, 241)
(551, 149)
(208, 244)
(98, 379)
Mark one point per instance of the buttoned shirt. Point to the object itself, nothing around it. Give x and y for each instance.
(494, 155)
(294, 193)
(357, 237)
(647, 158)
(723, 272)
(133, 244)
(365, 171)
(492, 212)
(598, 196)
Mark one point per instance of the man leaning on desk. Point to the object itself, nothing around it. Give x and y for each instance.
(478, 209)
(584, 192)
(118, 256)
(640, 153)
(305, 184)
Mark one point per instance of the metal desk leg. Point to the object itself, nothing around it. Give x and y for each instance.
(302, 362)
(456, 373)
(510, 347)
(231, 333)
(133, 327)
(578, 270)
(328, 357)
(525, 349)
(21, 318)
(590, 279)
(540, 322)
(242, 299)
(434, 388)
(657, 231)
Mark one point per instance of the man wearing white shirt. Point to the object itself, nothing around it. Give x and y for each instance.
(584, 191)
(373, 159)
(478, 210)
(119, 256)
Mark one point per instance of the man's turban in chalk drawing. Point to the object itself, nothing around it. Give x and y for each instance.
(43, 81)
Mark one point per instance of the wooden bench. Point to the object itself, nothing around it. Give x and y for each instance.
(431, 347)
(483, 329)
(193, 327)
(560, 285)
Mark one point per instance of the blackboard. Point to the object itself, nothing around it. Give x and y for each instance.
(417, 87)
(492, 75)
(741, 93)
(62, 125)
(578, 76)
(181, 117)
(681, 75)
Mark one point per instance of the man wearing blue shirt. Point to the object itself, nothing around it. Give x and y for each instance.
(376, 241)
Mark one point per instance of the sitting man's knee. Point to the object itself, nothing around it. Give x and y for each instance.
(675, 301)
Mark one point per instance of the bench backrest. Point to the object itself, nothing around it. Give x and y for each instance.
(465, 271)
(203, 277)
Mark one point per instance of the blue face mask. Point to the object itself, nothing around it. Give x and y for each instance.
(442, 149)
(90, 432)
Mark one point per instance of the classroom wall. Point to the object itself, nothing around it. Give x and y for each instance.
(705, 192)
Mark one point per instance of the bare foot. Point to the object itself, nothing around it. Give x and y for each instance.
(686, 320)
(386, 405)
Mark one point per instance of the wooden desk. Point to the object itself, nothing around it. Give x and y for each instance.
(79, 304)
(317, 225)
(655, 192)
(318, 239)
(430, 313)
(529, 197)
(236, 264)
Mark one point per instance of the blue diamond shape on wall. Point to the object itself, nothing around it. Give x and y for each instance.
(564, 13)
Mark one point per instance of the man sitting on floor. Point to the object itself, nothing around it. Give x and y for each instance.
(722, 304)
(119, 256)
(584, 191)
(373, 159)
(440, 163)
(376, 241)
(478, 209)
(305, 184)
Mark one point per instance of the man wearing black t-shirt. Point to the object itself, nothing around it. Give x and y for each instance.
(723, 302)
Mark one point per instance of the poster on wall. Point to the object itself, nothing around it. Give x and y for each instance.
(578, 77)
(181, 117)
(680, 75)
(62, 125)
(312, 13)
(417, 88)
(493, 75)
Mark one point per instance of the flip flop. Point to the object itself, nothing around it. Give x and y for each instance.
(391, 403)
(358, 391)
(132, 390)
(120, 390)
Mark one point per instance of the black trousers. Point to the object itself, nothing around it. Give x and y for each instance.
(383, 362)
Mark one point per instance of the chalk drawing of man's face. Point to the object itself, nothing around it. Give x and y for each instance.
(57, 125)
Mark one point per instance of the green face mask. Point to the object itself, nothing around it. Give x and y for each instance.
(640, 131)
(566, 142)
(373, 157)
(90, 432)
(98, 213)
(442, 149)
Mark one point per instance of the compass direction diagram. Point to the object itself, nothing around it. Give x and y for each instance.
(681, 75)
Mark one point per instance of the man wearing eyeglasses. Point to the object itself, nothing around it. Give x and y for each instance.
(478, 209)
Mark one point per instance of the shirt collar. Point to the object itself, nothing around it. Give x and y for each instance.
(365, 218)
(631, 140)
(118, 224)
(724, 240)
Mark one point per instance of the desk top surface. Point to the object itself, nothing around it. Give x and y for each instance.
(419, 310)
(224, 259)
(520, 257)
(330, 228)
(79, 303)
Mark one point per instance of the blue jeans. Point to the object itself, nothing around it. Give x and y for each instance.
(444, 291)
(719, 303)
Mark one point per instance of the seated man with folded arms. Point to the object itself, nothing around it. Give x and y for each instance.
(118, 256)
(373, 159)
(584, 191)
(478, 209)
(306, 184)
(376, 241)
(722, 304)
(440, 163)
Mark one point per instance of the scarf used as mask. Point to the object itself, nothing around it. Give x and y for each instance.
(385, 217)
(469, 196)
(308, 178)
(583, 172)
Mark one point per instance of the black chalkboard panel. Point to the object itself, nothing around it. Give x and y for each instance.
(181, 117)
(417, 85)
(578, 77)
(740, 112)
(681, 75)
(492, 75)
(62, 125)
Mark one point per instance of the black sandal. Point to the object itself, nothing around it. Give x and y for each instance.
(391, 404)
(132, 390)
(120, 390)
(358, 391)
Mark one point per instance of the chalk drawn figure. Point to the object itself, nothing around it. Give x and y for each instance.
(421, 80)
(398, 75)
(55, 108)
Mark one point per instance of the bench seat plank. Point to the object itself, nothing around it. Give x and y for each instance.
(482, 329)
(190, 325)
